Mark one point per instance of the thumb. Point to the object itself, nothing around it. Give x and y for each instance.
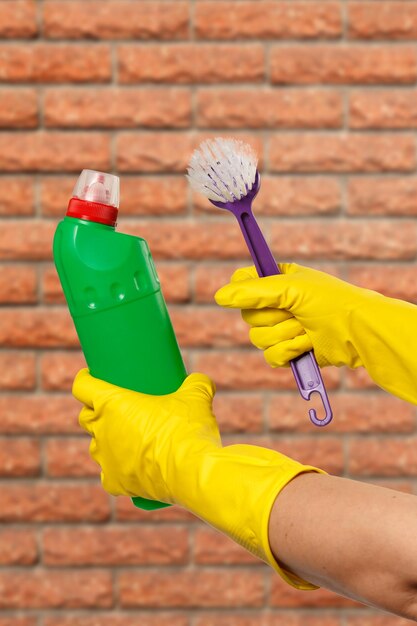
(198, 385)
(85, 387)
(257, 293)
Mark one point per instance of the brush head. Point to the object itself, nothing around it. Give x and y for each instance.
(223, 170)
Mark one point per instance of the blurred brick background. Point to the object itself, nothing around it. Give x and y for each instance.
(326, 93)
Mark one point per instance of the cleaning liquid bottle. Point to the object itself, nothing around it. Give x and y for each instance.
(114, 296)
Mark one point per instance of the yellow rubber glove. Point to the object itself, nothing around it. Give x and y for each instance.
(168, 448)
(305, 309)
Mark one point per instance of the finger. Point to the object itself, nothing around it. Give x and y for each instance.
(257, 293)
(265, 317)
(267, 336)
(86, 419)
(93, 450)
(199, 384)
(243, 273)
(85, 387)
(280, 354)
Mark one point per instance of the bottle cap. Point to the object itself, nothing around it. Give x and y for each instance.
(95, 197)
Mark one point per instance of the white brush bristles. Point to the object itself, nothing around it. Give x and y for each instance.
(223, 170)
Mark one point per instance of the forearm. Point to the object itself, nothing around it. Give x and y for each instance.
(383, 331)
(355, 539)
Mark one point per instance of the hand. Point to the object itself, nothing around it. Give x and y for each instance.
(168, 448)
(301, 310)
(141, 441)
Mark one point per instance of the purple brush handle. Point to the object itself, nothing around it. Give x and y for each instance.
(305, 368)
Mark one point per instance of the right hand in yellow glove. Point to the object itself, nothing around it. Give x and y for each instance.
(168, 448)
(304, 309)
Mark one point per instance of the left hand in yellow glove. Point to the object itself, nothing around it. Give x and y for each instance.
(168, 448)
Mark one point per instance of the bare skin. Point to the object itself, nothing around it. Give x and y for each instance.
(356, 539)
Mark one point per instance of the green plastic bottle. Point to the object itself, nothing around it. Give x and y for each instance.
(114, 296)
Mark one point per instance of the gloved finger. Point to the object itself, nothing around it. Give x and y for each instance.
(258, 293)
(85, 387)
(110, 485)
(265, 317)
(280, 354)
(86, 419)
(244, 273)
(267, 336)
(93, 450)
(199, 384)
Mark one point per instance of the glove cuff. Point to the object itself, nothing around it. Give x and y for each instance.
(235, 491)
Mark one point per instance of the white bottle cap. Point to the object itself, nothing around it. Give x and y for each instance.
(97, 187)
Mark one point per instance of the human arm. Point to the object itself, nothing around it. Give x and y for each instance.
(304, 309)
(356, 539)
(313, 529)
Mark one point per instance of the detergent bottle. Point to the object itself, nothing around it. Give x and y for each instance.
(114, 296)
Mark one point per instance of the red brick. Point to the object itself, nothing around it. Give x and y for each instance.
(19, 198)
(377, 620)
(141, 195)
(69, 457)
(191, 240)
(18, 18)
(53, 502)
(392, 20)
(239, 413)
(125, 511)
(246, 369)
(285, 596)
(12, 620)
(54, 63)
(383, 109)
(164, 195)
(26, 240)
(198, 327)
(18, 547)
(53, 151)
(117, 108)
(18, 109)
(342, 153)
(267, 108)
(214, 548)
(375, 239)
(359, 379)
(329, 240)
(290, 196)
(19, 457)
(117, 19)
(18, 284)
(166, 545)
(394, 282)
(374, 456)
(160, 152)
(39, 414)
(189, 63)
(34, 327)
(365, 413)
(214, 588)
(208, 278)
(267, 619)
(343, 65)
(17, 370)
(115, 619)
(58, 369)
(378, 196)
(286, 20)
(43, 589)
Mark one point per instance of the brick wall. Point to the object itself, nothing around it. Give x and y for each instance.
(326, 93)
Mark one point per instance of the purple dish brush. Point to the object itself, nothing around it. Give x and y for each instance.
(225, 171)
